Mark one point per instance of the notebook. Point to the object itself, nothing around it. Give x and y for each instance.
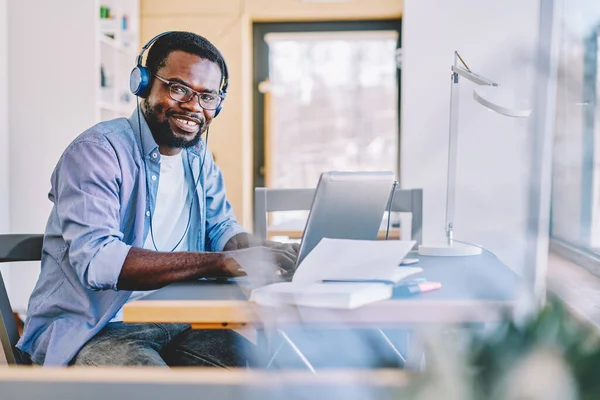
(342, 273)
(322, 295)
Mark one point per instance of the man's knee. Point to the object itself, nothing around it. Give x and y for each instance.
(118, 354)
(217, 348)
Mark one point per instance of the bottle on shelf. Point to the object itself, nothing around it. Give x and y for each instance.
(105, 12)
(102, 76)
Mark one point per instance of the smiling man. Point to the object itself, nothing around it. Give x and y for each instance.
(138, 204)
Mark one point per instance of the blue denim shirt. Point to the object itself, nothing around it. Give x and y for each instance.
(100, 211)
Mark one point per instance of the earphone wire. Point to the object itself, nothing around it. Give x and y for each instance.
(389, 209)
(223, 91)
(187, 227)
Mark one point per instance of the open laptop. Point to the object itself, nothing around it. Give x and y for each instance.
(347, 205)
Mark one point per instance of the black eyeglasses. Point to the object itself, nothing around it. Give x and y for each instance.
(183, 94)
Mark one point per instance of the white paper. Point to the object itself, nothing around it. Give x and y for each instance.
(353, 259)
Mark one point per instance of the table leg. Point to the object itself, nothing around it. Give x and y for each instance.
(394, 348)
(299, 353)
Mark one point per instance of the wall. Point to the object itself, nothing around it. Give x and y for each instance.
(228, 25)
(45, 46)
(4, 138)
(497, 39)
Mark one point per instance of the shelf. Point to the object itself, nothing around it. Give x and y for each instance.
(117, 45)
(109, 25)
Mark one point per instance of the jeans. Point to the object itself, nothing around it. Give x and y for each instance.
(165, 345)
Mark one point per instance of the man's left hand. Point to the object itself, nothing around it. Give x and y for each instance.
(246, 240)
(291, 250)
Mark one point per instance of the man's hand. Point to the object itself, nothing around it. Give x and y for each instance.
(283, 254)
(290, 250)
(261, 264)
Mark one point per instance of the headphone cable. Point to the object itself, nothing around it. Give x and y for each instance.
(187, 227)
(138, 93)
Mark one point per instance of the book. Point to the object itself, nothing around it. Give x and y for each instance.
(342, 273)
(322, 295)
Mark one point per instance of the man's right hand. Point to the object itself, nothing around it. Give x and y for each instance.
(148, 270)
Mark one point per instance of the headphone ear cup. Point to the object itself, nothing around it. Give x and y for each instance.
(139, 81)
(218, 110)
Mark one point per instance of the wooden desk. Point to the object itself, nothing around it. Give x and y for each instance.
(475, 289)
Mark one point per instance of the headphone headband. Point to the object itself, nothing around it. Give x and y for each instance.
(147, 46)
(140, 79)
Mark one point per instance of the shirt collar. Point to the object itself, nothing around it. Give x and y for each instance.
(148, 143)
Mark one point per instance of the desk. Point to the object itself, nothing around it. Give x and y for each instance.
(475, 289)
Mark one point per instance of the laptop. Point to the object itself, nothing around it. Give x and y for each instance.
(347, 205)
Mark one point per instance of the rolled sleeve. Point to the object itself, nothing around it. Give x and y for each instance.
(221, 224)
(105, 268)
(228, 231)
(86, 185)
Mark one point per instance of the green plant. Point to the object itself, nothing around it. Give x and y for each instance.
(550, 355)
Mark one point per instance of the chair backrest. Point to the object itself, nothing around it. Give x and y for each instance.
(269, 200)
(14, 248)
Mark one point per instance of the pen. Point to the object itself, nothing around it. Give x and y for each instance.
(412, 289)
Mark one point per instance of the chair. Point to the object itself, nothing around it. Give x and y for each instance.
(270, 200)
(14, 248)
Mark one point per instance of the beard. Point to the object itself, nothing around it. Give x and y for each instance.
(162, 132)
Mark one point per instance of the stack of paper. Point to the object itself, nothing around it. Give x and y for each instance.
(341, 273)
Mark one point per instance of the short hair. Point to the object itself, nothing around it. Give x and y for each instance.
(183, 41)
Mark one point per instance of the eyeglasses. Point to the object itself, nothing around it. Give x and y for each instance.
(183, 94)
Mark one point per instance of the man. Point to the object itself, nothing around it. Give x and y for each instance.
(139, 203)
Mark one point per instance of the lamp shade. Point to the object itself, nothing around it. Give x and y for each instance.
(498, 99)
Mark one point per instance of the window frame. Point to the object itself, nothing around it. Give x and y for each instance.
(575, 251)
(261, 72)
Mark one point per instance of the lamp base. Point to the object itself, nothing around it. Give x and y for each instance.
(445, 250)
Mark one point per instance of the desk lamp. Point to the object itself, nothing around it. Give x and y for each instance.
(491, 97)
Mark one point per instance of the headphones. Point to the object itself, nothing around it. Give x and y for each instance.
(140, 79)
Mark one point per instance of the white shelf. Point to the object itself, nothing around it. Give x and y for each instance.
(117, 50)
(115, 44)
(109, 25)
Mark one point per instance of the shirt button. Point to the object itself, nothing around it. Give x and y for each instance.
(147, 213)
(153, 177)
(154, 155)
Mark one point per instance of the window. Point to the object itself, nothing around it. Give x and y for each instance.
(330, 100)
(575, 225)
(333, 105)
(326, 99)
